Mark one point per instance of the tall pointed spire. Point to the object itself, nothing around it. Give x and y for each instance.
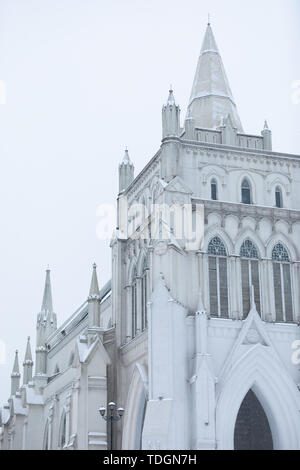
(211, 97)
(27, 364)
(47, 297)
(94, 289)
(94, 301)
(46, 325)
(15, 375)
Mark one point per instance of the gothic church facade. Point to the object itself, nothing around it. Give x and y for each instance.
(197, 343)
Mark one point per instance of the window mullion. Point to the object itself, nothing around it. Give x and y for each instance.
(218, 287)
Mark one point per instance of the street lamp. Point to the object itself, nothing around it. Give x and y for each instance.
(111, 416)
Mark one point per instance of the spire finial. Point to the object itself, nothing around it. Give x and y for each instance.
(126, 159)
(47, 297)
(94, 289)
(208, 19)
(28, 356)
(16, 369)
(171, 99)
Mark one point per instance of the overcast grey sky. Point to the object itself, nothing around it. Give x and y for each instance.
(85, 78)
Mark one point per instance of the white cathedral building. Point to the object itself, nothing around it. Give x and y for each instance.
(197, 343)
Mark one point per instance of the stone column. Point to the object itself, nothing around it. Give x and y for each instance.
(239, 294)
(205, 282)
(24, 436)
(264, 291)
(138, 305)
(68, 409)
(271, 293)
(128, 328)
(232, 287)
(295, 271)
(50, 419)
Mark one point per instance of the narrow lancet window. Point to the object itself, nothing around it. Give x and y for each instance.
(218, 285)
(144, 296)
(282, 284)
(246, 192)
(134, 303)
(278, 197)
(213, 190)
(250, 275)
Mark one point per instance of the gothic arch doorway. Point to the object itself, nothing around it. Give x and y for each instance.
(252, 429)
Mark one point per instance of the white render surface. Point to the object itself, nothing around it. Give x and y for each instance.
(180, 369)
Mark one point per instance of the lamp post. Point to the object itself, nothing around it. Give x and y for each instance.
(111, 417)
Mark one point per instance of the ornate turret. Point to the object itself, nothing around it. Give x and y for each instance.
(46, 325)
(126, 172)
(170, 117)
(94, 301)
(27, 364)
(15, 376)
(267, 137)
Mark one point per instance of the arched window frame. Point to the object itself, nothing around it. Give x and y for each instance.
(213, 189)
(282, 282)
(250, 275)
(218, 278)
(246, 191)
(278, 197)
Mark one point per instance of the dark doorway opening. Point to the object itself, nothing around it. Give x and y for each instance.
(252, 430)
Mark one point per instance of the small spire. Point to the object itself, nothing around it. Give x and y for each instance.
(47, 297)
(16, 370)
(171, 99)
(28, 355)
(208, 19)
(15, 375)
(266, 125)
(126, 159)
(27, 364)
(94, 289)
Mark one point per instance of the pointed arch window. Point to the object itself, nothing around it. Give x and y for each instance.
(144, 296)
(282, 284)
(250, 275)
(134, 303)
(214, 189)
(278, 197)
(218, 285)
(246, 192)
